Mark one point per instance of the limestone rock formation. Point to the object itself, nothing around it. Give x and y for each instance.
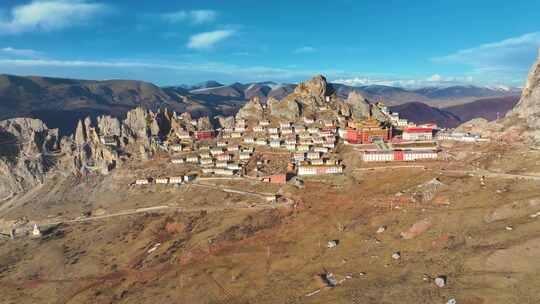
(359, 105)
(109, 126)
(252, 110)
(315, 87)
(29, 151)
(136, 124)
(26, 146)
(225, 122)
(90, 150)
(288, 109)
(204, 123)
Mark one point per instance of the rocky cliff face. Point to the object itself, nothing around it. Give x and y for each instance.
(27, 149)
(307, 99)
(526, 113)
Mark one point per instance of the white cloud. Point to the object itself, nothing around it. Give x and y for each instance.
(506, 60)
(49, 15)
(80, 68)
(208, 39)
(407, 82)
(10, 51)
(435, 77)
(305, 50)
(194, 16)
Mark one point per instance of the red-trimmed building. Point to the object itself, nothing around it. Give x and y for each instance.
(417, 133)
(367, 131)
(202, 135)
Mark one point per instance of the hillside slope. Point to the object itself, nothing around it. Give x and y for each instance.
(488, 108)
(60, 103)
(421, 113)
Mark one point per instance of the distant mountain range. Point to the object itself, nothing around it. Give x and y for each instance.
(61, 102)
(434, 96)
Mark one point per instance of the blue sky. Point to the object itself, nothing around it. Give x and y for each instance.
(394, 42)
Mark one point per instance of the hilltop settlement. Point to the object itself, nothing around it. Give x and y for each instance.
(323, 198)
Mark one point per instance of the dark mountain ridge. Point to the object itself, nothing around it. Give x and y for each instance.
(61, 102)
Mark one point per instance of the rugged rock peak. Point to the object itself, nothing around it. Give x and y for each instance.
(204, 123)
(109, 126)
(360, 107)
(533, 81)
(225, 121)
(316, 87)
(186, 116)
(251, 110)
(136, 123)
(529, 103)
(25, 145)
(80, 133)
(526, 113)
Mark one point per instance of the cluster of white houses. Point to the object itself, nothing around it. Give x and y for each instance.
(460, 136)
(393, 117)
(399, 155)
(309, 146)
(174, 180)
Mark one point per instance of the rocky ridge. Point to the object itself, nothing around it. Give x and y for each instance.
(30, 151)
(307, 100)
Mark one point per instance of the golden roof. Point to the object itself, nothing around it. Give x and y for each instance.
(370, 123)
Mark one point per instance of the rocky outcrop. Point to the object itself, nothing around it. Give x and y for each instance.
(307, 97)
(204, 123)
(316, 87)
(90, 151)
(109, 126)
(286, 109)
(253, 110)
(526, 113)
(225, 122)
(359, 105)
(26, 150)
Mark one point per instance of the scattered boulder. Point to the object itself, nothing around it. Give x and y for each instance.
(329, 279)
(332, 243)
(297, 182)
(440, 281)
